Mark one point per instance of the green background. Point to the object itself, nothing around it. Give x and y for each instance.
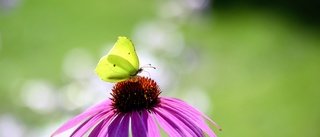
(258, 68)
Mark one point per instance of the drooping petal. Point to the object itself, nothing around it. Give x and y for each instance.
(95, 132)
(105, 126)
(137, 125)
(83, 116)
(178, 124)
(152, 128)
(183, 121)
(194, 110)
(196, 121)
(190, 112)
(111, 129)
(123, 127)
(79, 127)
(89, 124)
(166, 124)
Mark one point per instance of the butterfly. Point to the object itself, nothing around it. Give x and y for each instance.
(121, 63)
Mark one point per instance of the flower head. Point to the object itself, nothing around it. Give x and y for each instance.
(137, 102)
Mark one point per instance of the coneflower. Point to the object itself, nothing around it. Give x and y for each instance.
(136, 102)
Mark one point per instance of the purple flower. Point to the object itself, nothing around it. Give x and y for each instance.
(137, 102)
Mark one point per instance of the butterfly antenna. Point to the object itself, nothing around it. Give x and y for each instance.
(147, 66)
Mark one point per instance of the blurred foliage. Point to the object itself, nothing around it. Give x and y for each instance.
(259, 66)
(265, 70)
(305, 11)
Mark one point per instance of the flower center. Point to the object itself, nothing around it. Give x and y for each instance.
(135, 94)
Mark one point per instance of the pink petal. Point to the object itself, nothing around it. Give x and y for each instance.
(95, 132)
(105, 125)
(180, 125)
(189, 124)
(93, 121)
(166, 124)
(198, 120)
(79, 127)
(193, 109)
(123, 127)
(191, 112)
(152, 128)
(137, 125)
(111, 129)
(80, 118)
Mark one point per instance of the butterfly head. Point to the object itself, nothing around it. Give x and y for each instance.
(141, 69)
(137, 72)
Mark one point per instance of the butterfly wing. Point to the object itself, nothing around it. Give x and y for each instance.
(125, 49)
(121, 62)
